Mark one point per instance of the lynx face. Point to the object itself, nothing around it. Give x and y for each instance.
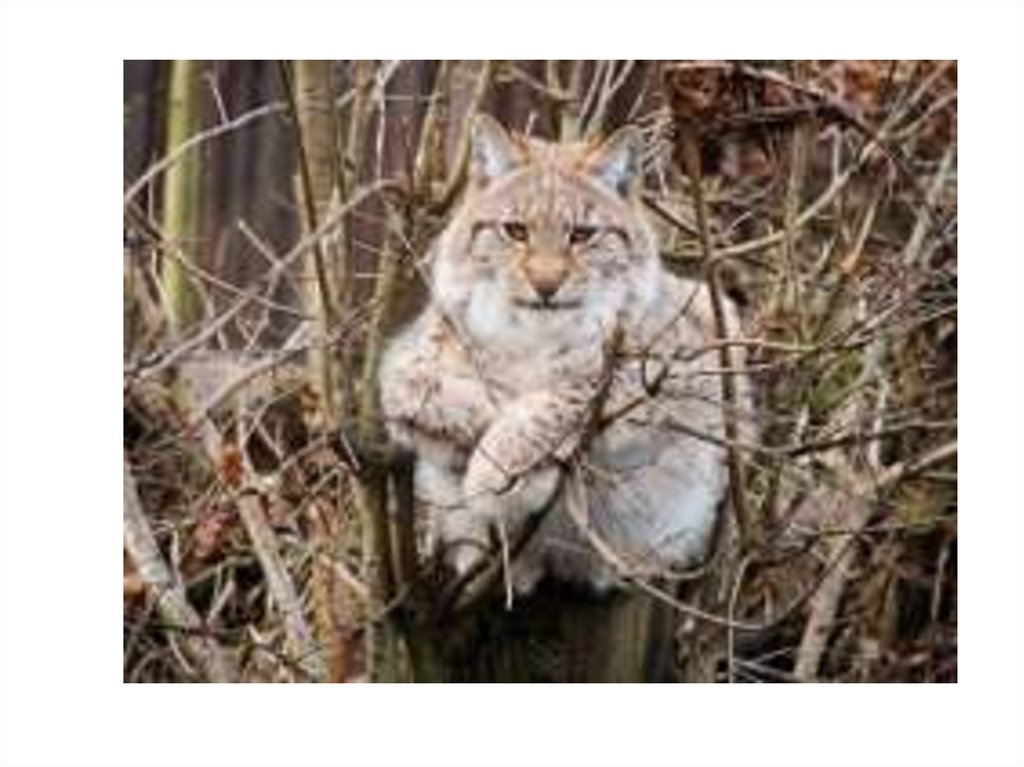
(548, 241)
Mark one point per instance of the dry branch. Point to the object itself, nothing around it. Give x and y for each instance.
(303, 647)
(195, 141)
(314, 130)
(168, 591)
(457, 178)
(855, 510)
(737, 484)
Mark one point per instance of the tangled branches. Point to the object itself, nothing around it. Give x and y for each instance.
(821, 195)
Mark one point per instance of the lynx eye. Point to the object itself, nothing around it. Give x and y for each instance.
(515, 230)
(582, 234)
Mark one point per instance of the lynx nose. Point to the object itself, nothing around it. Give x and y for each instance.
(546, 277)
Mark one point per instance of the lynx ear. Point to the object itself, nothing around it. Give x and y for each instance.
(493, 151)
(616, 161)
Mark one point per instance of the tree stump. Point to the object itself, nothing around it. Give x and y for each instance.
(557, 634)
(560, 633)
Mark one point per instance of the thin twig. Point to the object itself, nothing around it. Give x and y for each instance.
(194, 142)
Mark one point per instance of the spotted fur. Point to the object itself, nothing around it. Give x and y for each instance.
(546, 261)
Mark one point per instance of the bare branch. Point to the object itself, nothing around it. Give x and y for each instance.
(167, 590)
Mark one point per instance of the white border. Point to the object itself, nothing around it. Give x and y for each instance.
(61, 699)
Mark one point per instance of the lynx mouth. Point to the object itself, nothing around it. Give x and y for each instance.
(548, 306)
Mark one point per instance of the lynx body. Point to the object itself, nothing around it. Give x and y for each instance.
(554, 338)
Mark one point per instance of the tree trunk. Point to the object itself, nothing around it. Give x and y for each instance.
(315, 187)
(558, 635)
(181, 195)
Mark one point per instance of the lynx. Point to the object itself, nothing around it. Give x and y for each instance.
(560, 369)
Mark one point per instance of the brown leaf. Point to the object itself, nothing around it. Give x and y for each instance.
(211, 533)
(230, 465)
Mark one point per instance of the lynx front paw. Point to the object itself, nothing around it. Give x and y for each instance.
(463, 538)
(464, 557)
(510, 502)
